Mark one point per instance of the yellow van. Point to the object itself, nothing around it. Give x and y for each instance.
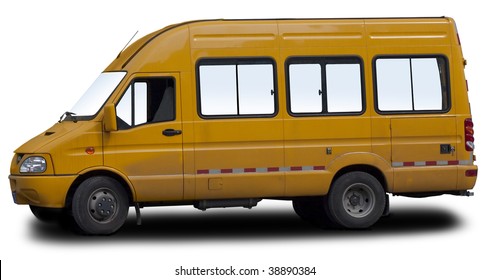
(332, 114)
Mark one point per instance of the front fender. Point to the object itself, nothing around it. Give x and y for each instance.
(108, 171)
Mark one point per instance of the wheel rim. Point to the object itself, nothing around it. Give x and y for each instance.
(102, 205)
(358, 200)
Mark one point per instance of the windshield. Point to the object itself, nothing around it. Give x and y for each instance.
(97, 94)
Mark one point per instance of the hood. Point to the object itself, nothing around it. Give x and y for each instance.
(38, 144)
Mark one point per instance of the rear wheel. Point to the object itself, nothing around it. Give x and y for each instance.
(356, 200)
(100, 206)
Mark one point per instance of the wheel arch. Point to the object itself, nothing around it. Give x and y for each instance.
(369, 169)
(366, 162)
(114, 174)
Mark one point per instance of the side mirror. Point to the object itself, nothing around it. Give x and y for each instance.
(110, 118)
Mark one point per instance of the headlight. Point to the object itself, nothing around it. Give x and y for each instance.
(33, 165)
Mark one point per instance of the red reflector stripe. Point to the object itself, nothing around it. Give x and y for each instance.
(431, 163)
(261, 169)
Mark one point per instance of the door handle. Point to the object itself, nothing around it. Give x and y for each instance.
(171, 132)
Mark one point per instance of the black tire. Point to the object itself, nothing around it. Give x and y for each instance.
(100, 205)
(356, 200)
(300, 208)
(45, 214)
(311, 209)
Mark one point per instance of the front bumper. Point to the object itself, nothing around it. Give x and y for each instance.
(44, 191)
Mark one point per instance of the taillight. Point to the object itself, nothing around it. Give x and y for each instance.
(471, 173)
(469, 135)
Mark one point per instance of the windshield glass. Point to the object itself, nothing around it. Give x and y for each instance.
(97, 94)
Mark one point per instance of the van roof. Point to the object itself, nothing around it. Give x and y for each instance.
(212, 33)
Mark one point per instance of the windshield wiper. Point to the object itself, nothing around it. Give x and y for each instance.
(66, 115)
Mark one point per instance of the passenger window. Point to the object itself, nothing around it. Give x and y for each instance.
(427, 90)
(411, 84)
(394, 85)
(323, 85)
(305, 88)
(344, 88)
(236, 88)
(218, 90)
(148, 100)
(255, 89)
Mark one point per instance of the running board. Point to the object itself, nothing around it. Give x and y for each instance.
(223, 203)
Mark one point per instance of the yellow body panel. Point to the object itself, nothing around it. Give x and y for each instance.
(280, 155)
(252, 144)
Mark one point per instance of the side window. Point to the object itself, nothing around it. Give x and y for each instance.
(255, 89)
(228, 88)
(218, 90)
(140, 103)
(343, 88)
(305, 88)
(411, 84)
(323, 85)
(148, 100)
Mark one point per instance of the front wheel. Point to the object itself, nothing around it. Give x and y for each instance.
(356, 200)
(311, 209)
(100, 206)
(47, 214)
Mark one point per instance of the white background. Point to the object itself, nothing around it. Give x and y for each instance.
(51, 51)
